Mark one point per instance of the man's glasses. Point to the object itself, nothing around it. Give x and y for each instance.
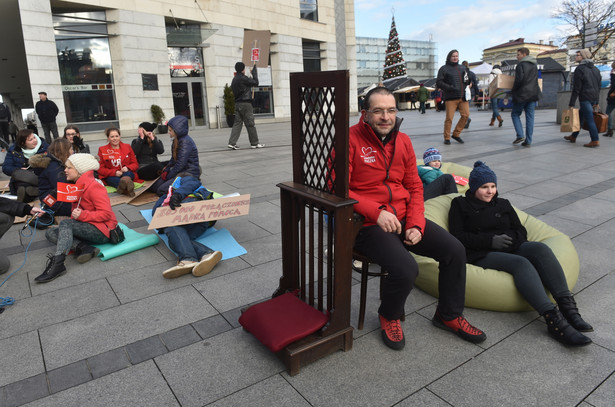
(380, 112)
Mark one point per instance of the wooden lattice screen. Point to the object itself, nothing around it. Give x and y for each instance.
(316, 212)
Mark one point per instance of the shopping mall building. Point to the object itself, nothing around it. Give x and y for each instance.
(105, 62)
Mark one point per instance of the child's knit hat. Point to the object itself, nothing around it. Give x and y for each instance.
(480, 175)
(431, 154)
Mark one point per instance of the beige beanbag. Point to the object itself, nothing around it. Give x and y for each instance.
(487, 288)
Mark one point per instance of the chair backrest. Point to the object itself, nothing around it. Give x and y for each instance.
(319, 117)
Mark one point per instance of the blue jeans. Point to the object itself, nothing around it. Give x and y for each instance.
(528, 108)
(586, 113)
(115, 181)
(182, 241)
(494, 108)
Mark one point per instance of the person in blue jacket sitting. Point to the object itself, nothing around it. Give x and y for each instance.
(24, 180)
(193, 257)
(184, 156)
(435, 182)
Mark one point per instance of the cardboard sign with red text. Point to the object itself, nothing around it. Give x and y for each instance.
(69, 192)
(201, 211)
(460, 180)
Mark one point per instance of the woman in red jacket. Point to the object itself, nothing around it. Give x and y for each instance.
(118, 163)
(91, 219)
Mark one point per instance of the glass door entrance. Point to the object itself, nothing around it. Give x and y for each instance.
(189, 100)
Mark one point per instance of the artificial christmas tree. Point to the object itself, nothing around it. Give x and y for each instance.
(394, 64)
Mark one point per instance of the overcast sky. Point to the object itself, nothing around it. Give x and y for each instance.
(469, 26)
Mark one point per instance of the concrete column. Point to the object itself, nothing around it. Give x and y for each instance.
(41, 54)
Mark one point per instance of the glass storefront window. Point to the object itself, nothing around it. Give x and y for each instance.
(185, 62)
(263, 100)
(85, 68)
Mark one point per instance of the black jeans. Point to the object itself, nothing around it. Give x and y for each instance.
(389, 251)
(533, 267)
(444, 184)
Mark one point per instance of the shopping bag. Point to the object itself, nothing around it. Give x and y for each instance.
(570, 121)
(602, 121)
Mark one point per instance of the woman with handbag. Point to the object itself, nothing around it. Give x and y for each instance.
(92, 219)
(24, 180)
(610, 100)
(585, 86)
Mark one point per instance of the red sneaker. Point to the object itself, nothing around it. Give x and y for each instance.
(461, 327)
(392, 334)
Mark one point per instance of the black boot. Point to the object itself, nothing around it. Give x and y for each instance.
(562, 331)
(84, 252)
(568, 308)
(54, 269)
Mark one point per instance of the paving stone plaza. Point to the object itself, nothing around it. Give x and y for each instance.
(116, 333)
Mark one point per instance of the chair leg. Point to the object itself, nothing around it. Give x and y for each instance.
(364, 276)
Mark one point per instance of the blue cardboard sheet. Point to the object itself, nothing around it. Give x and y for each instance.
(216, 239)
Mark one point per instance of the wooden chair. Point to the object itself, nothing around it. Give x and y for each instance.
(311, 204)
(365, 273)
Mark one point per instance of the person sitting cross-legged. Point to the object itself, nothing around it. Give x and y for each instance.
(193, 257)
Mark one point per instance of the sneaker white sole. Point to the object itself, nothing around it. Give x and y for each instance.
(179, 270)
(207, 265)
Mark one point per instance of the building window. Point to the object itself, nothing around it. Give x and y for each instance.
(311, 56)
(185, 62)
(82, 45)
(309, 9)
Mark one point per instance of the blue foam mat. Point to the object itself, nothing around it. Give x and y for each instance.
(216, 239)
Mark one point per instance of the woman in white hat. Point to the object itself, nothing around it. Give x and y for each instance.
(91, 221)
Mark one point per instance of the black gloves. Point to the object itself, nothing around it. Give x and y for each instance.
(175, 201)
(501, 242)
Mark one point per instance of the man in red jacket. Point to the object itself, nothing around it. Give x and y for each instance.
(384, 180)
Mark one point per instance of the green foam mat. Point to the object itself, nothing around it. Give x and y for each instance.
(134, 241)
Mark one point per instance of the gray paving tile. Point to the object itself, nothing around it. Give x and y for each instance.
(567, 227)
(211, 326)
(604, 395)
(267, 216)
(425, 358)
(180, 337)
(140, 385)
(263, 250)
(26, 390)
(423, 398)
(230, 362)
(543, 376)
(593, 302)
(243, 287)
(83, 337)
(58, 306)
(145, 349)
(591, 211)
(68, 376)
(274, 391)
(108, 362)
(21, 357)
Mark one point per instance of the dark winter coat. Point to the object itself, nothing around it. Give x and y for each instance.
(52, 173)
(474, 223)
(15, 158)
(610, 99)
(185, 155)
(46, 111)
(453, 79)
(525, 88)
(146, 154)
(14, 208)
(242, 86)
(585, 83)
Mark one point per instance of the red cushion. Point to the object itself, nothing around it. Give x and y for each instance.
(282, 320)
